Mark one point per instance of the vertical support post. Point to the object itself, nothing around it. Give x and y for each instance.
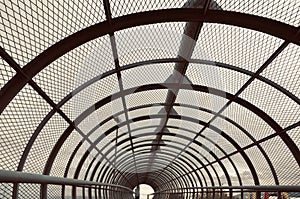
(230, 193)
(44, 192)
(279, 195)
(258, 194)
(242, 194)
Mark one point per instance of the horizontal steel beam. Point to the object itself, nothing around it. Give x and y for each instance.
(281, 188)
(22, 177)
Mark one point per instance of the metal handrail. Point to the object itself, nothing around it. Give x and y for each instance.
(286, 188)
(22, 177)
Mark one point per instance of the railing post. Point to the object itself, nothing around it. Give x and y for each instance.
(258, 194)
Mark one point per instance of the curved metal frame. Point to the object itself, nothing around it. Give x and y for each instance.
(260, 24)
(160, 86)
(197, 160)
(274, 175)
(25, 75)
(144, 63)
(68, 97)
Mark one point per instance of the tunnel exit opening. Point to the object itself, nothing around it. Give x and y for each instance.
(143, 191)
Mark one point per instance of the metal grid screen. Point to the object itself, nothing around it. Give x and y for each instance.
(185, 96)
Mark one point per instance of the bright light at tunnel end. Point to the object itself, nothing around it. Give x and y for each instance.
(145, 190)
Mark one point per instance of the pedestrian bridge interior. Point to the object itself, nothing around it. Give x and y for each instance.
(193, 98)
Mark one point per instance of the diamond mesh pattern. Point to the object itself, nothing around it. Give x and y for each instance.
(171, 141)
(283, 11)
(214, 174)
(120, 8)
(243, 169)
(257, 127)
(63, 156)
(216, 77)
(68, 192)
(54, 191)
(137, 133)
(220, 174)
(153, 110)
(285, 69)
(28, 28)
(289, 173)
(193, 113)
(79, 192)
(29, 191)
(202, 178)
(75, 68)
(139, 129)
(234, 132)
(261, 166)
(97, 173)
(188, 169)
(218, 139)
(105, 128)
(100, 145)
(148, 138)
(89, 174)
(183, 131)
(111, 154)
(166, 147)
(75, 161)
(235, 46)
(231, 172)
(210, 146)
(43, 144)
(294, 194)
(197, 179)
(200, 99)
(143, 123)
(85, 167)
(98, 116)
(7, 72)
(201, 152)
(151, 74)
(206, 176)
(18, 121)
(90, 96)
(147, 97)
(294, 134)
(270, 100)
(148, 42)
(6, 190)
(184, 124)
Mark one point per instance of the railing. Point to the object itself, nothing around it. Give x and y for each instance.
(226, 192)
(111, 191)
(94, 189)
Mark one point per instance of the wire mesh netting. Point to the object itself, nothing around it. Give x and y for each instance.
(128, 92)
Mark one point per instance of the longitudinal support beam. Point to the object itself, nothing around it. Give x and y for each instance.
(21, 177)
(280, 188)
(186, 48)
(187, 45)
(188, 42)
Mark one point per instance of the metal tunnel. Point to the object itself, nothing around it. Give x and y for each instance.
(153, 99)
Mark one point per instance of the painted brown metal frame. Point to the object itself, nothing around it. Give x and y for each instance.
(275, 28)
(28, 146)
(160, 86)
(243, 130)
(25, 75)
